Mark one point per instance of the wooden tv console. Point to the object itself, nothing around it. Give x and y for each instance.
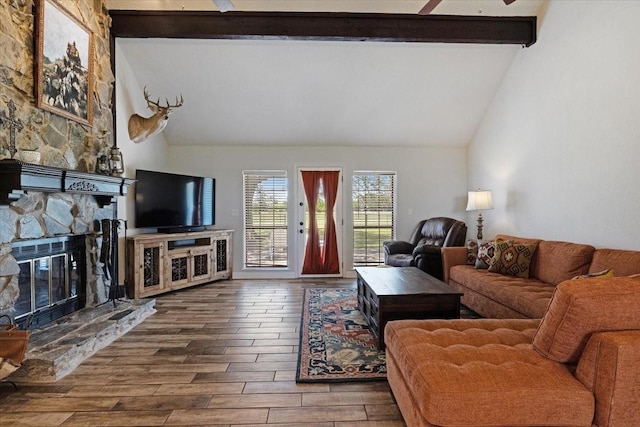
(159, 262)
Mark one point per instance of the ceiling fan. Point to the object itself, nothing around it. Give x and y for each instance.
(432, 4)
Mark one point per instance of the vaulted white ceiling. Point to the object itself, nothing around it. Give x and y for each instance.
(289, 92)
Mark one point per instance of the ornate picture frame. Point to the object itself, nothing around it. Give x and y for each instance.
(64, 61)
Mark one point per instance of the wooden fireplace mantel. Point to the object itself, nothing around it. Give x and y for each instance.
(17, 177)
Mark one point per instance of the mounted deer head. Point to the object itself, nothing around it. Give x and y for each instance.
(141, 128)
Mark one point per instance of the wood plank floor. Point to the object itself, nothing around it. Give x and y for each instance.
(222, 354)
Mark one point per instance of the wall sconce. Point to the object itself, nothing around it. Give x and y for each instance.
(479, 200)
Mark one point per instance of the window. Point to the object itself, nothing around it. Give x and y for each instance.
(265, 219)
(373, 196)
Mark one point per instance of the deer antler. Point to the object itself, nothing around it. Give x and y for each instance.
(150, 102)
(177, 104)
(157, 105)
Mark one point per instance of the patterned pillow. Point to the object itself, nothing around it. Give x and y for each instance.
(604, 274)
(512, 259)
(472, 252)
(485, 254)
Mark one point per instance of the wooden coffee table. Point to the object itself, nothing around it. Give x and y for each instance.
(396, 293)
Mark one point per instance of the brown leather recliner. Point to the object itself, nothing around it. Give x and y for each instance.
(423, 248)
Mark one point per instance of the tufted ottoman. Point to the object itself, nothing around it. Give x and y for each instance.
(480, 372)
(578, 366)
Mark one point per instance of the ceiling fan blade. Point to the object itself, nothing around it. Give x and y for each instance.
(508, 2)
(428, 8)
(223, 5)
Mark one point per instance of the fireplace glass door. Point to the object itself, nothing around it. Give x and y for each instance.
(49, 281)
(46, 281)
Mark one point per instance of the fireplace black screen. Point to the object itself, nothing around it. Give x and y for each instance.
(52, 279)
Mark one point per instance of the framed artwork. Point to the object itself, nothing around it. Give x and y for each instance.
(64, 64)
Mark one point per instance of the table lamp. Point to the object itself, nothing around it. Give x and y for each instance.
(479, 200)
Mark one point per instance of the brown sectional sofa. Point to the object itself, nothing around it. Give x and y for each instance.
(552, 352)
(497, 295)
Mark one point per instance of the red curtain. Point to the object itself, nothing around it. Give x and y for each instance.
(330, 260)
(317, 259)
(312, 254)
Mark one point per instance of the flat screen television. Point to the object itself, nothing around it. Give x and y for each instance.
(174, 203)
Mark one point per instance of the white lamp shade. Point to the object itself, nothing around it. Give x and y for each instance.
(479, 200)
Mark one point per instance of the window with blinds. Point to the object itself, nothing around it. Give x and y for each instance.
(265, 196)
(374, 214)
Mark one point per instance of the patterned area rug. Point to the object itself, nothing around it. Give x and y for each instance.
(335, 342)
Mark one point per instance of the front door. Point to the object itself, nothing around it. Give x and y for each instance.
(320, 222)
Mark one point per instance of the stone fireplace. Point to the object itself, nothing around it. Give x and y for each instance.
(53, 279)
(52, 234)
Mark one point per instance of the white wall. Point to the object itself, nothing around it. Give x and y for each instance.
(560, 143)
(431, 182)
(149, 154)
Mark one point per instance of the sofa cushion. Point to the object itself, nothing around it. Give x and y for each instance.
(513, 259)
(623, 263)
(560, 261)
(461, 372)
(581, 307)
(472, 251)
(527, 296)
(485, 254)
(522, 241)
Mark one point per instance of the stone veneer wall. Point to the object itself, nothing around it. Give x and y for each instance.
(61, 142)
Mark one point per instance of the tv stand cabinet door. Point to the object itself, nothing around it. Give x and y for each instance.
(222, 266)
(177, 269)
(200, 265)
(149, 268)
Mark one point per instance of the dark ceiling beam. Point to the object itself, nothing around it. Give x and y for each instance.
(324, 26)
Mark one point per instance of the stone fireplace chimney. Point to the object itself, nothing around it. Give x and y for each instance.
(46, 202)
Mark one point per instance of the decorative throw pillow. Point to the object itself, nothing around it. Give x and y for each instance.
(512, 259)
(472, 252)
(485, 254)
(604, 274)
